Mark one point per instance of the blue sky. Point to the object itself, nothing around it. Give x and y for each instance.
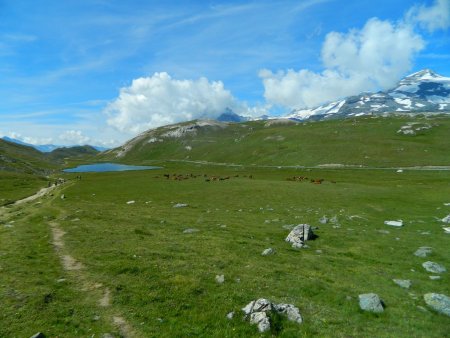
(101, 71)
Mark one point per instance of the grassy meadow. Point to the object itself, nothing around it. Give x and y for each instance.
(162, 280)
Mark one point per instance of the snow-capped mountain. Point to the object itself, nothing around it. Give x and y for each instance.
(421, 92)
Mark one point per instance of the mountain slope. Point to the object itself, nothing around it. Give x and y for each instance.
(71, 152)
(421, 92)
(364, 141)
(19, 158)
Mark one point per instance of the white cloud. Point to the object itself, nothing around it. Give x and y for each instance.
(160, 100)
(74, 137)
(432, 18)
(29, 140)
(369, 59)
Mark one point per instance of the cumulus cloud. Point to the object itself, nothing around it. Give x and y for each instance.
(371, 58)
(159, 100)
(432, 18)
(74, 137)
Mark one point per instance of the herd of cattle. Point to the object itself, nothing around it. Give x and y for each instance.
(213, 178)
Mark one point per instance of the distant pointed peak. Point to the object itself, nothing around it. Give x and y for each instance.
(424, 74)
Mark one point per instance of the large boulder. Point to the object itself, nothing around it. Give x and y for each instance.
(258, 312)
(438, 302)
(299, 235)
(370, 302)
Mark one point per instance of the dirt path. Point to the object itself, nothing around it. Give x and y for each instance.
(96, 290)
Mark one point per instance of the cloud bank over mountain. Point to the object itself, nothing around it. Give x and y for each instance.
(368, 59)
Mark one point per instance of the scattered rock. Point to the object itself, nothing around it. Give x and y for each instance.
(434, 277)
(423, 251)
(180, 205)
(130, 202)
(446, 219)
(404, 283)
(398, 223)
(63, 196)
(384, 232)
(323, 220)
(399, 170)
(318, 251)
(220, 279)
(190, 231)
(257, 311)
(299, 235)
(438, 302)
(230, 315)
(370, 302)
(268, 251)
(447, 230)
(434, 267)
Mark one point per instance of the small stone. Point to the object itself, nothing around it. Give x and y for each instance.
(318, 251)
(434, 277)
(446, 219)
(446, 230)
(268, 251)
(292, 312)
(370, 302)
(404, 283)
(230, 315)
(61, 280)
(434, 267)
(398, 223)
(190, 231)
(323, 220)
(423, 251)
(438, 302)
(180, 205)
(130, 202)
(220, 279)
(384, 232)
(38, 335)
(96, 318)
(63, 196)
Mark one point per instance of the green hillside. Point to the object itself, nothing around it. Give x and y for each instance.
(364, 141)
(68, 153)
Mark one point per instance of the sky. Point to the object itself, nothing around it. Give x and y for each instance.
(101, 71)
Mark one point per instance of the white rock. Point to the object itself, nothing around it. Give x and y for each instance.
(434, 277)
(180, 205)
(230, 315)
(220, 279)
(261, 319)
(268, 251)
(399, 170)
(130, 202)
(398, 223)
(446, 219)
(299, 235)
(190, 231)
(447, 230)
(434, 267)
(404, 283)
(292, 312)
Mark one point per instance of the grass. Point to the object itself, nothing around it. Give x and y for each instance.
(163, 280)
(15, 186)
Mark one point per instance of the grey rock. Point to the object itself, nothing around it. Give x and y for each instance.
(230, 315)
(398, 223)
(63, 196)
(438, 302)
(323, 220)
(220, 279)
(261, 320)
(180, 205)
(434, 267)
(385, 232)
(434, 277)
(446, 219)
(190, 231)
(268, 251)
(423, 251)
(370, 302)
(299, 235)
(257, 311)
(404, 283)
(289, 310)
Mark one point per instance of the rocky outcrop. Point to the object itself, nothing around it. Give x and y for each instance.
(371, 302)
(299, 235)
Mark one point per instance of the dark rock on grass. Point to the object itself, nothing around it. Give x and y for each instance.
(371, 302)
(423, 251)
(434, 267)
(299, 235)
(38, 335)
(438, 302)
(259, 312)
